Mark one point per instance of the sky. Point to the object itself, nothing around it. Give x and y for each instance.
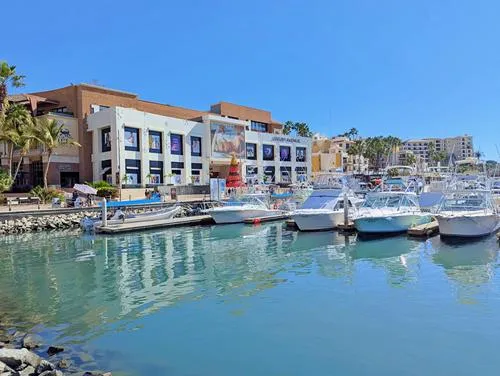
(407, 68)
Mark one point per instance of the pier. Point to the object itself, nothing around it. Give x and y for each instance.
(425, 230)
(160, 223)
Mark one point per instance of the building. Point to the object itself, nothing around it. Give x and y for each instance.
(332, 154)
(458, 148)
(130, 141)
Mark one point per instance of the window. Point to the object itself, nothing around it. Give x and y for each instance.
(131, 139)
(132, 172)
(155, 142)
(257, 126)
(176, 144)
(268, 152)
(196, 146)
(269, 174)
(285, 153)
(106, 140)
(251, 151)
(286, 174)
(301, 154)
(106, 170)
(155, 172)
(252, 171)
(177, 165)
(196, 166)
(177, 177)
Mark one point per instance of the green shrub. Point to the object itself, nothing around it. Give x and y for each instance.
(5, 181)
(46, 195)
(104, 189)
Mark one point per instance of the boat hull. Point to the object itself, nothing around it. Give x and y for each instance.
(467, 226)
(390, 224)
(239, 215)
(318, 221)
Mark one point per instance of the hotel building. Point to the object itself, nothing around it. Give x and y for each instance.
(137, 143)
(460, 147)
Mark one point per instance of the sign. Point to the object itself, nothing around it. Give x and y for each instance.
(131, 138)
(286, 139)
(173, 193)
(217, 189)
(227, 140)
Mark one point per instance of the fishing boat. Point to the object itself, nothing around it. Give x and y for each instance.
(89, 224)
(389, 212)
(324, 209)
(245, 207)
(467, 213)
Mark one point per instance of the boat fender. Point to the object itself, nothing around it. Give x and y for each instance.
(256, 221)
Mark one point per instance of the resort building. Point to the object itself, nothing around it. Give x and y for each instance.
(458, 148)
(136, 143)
(332, 155)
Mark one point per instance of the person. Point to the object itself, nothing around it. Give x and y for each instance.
(89, 200)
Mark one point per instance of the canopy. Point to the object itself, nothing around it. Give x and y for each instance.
(85, 189)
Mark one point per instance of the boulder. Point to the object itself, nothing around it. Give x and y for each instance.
(51, 373)
(44, 366)
(4, 368)
(14, 358)
(52, 350)
(28, 371)
(64, 363)
(31, 341)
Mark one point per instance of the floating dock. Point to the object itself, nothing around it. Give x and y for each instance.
(269, 218)
(346, 228)
(155, 224)
(425, 230)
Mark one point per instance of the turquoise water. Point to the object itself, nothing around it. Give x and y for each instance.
(236, 300)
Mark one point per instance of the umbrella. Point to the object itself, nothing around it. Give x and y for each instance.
(85, 189)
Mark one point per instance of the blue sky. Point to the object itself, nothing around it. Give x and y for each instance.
(407, 68)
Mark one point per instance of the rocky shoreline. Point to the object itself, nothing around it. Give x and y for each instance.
(24, 355)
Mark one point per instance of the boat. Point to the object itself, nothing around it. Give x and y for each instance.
(246, 207)
(324, 209)
(389, 213)
(89, 224)
(467, 213)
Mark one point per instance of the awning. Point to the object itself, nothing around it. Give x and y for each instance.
(85, 189)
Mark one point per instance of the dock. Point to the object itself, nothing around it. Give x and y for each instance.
(269, 218)
(425, 230)
(346, 227)
(155, 224)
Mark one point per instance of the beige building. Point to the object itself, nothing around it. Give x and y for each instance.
(331, 154)
(460, 147)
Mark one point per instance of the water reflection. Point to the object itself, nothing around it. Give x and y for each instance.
(89, 283)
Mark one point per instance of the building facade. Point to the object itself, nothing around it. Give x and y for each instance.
(137, 148)
(458, 148)
(130, 141)
(332, 154)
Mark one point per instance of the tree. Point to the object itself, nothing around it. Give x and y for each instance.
(8, 76)
(23, 139)
(13, 123)
(5, 181)
(50, 134)
(411, 159)
(351, 134)
(300, 129)
(357, 149)
(478, 154)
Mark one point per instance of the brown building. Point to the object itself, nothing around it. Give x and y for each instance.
(72, 104)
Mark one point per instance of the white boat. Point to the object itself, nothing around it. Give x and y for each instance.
(89, 224)
(389, 212)
(323, 210)
(248, 206)
(470, 213)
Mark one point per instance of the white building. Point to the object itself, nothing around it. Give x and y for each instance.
(140, 149)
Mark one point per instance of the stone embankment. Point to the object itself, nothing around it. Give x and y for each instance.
(21, 355)
(39, 223)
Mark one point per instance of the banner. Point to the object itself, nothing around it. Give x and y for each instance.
(227, 140)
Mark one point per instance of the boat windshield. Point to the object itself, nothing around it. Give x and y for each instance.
(388, 201)
(465, 202)
(321, 199)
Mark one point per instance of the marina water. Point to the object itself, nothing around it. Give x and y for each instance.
(262, 300)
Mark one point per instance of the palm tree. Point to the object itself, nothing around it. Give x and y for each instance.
(24, 140)
(288, 127)
(357, 149)
(8, 76)
(478, 154)
(49, 133)
(411, 159)
(14, 120)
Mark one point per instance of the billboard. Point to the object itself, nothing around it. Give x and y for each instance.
(227, 140)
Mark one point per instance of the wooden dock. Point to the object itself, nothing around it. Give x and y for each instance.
(159, 223)
(269, 218)
(425, 230)
(346, 228)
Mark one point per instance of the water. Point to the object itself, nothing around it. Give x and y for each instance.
(243, 300)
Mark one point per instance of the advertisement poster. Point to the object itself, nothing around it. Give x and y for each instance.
(155, 179)
(131, 138)
(196, 146)
(251, 152)
(155, 142)
(301, 154)
(132, 179)
(217, 189)
(106, 140)
(227, 140)
(176, 144)
(268, 152)
(285, 153)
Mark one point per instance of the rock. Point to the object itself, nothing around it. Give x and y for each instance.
(28, 371)
(31, 341)
(52, 350)
(51, 373)
(4, 368)
(44, 366)
(64, 363)
(14, 357)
